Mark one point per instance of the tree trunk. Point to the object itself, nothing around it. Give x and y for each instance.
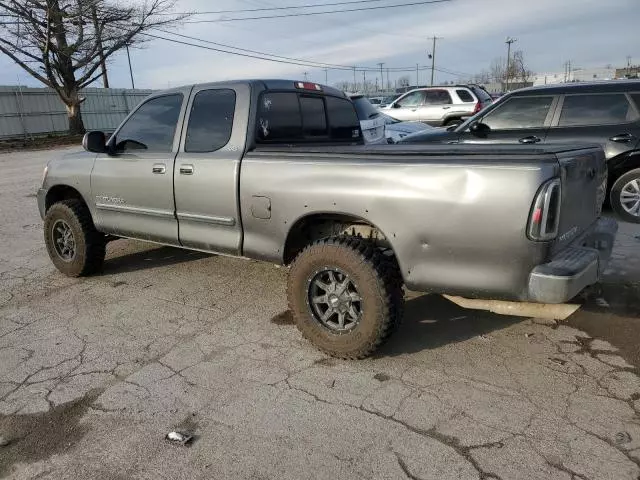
(76, 126)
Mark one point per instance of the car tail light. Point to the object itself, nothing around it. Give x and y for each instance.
(477, 108)
(308, 86)
(545, 214)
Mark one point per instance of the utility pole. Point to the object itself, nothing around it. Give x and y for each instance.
(98, 33)
(417, 77)
(381, 64)
(628, 65)
(355, 82)
(306, 76)
(133, 85)
(388, 87)
(326, 76)
(433, 58)
(364, 81)
(509, 42)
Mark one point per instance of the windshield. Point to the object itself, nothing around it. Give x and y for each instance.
(364, 109)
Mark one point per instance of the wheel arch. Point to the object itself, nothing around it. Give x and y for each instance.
(622, 164)
(317, 225)
(60, 192)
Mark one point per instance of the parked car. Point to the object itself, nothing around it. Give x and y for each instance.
(606, 113)
(395, 130)
(371, 120)
(387, 100)
(439, 106)
(276, 170)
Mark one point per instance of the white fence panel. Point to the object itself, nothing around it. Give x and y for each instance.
(26, 112)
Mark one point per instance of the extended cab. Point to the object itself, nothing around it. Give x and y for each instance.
(276, 170)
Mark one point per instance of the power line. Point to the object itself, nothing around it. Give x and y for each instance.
(307, 14)
(281, 59)
(294, 7)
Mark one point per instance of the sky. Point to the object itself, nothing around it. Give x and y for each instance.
(590, 33)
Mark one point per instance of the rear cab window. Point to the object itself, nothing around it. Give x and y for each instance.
(210, 120)
(596, 109)
(292, 117)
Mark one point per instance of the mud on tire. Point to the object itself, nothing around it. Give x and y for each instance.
(379, 286)
(74, 245)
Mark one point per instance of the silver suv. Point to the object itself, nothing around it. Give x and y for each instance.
(439, 106)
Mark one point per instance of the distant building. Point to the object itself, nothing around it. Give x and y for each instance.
(628, 72)
(576, 75)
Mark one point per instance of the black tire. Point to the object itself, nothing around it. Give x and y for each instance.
(616, 192)
(379, 284)
(89, 245)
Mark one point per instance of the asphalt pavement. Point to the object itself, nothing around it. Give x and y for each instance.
(94, 372)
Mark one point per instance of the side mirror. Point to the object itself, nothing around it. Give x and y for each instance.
(396, 105)
(94, 142)
(480, 129)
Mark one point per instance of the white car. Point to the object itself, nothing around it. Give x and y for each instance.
(372, 121)
(395, 130)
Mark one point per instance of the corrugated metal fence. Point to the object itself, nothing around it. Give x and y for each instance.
(26, 112)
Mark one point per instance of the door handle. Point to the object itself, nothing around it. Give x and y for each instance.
(622, 138)
(159, 168)
(446, 108)
(186, 169)
(530, 139)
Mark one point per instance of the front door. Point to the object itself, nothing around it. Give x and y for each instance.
(133, 185)
(523, 120)
(408, 108)
(609, 119)
(207, 169)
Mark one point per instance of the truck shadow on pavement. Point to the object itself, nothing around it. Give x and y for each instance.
(149, 258)
(431, 321)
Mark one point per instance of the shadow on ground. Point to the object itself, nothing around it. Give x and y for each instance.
(432, 321)
(147, 259)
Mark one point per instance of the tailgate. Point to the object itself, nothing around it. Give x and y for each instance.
(583, 175)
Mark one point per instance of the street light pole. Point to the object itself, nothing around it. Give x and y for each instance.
(133, 85)
(509, 42)
(433, 59)
(417, 77)
(381, 64)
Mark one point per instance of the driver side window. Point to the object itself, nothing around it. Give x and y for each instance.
(413, 99)
(152, 127)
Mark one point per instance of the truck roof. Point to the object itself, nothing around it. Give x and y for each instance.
(270, 84)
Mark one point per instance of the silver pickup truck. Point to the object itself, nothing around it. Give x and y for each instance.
(276, 170)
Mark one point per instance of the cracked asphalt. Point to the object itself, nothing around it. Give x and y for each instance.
(95, 371)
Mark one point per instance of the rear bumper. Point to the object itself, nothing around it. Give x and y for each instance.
(576, 267)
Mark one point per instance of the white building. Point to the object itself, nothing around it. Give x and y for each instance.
(576, 75)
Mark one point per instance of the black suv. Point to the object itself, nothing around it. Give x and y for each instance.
(607, 113)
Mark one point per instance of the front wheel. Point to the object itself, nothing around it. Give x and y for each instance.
(625, 196)
(346, 296)
(75, 247)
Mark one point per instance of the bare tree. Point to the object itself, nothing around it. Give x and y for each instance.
(519, 68)
(65, 43)
(404, 81)
(498, 69)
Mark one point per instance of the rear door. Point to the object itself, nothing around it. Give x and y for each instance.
(608, 119)
(437, 104)
(518, 119)
(207, 168)
(133, 186)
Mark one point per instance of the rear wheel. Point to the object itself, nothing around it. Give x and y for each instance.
(75, 247)
(346, 296)
(625, 196)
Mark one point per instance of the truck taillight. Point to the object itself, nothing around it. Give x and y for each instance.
(308, 86)
(545, 214)
(477, 108)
